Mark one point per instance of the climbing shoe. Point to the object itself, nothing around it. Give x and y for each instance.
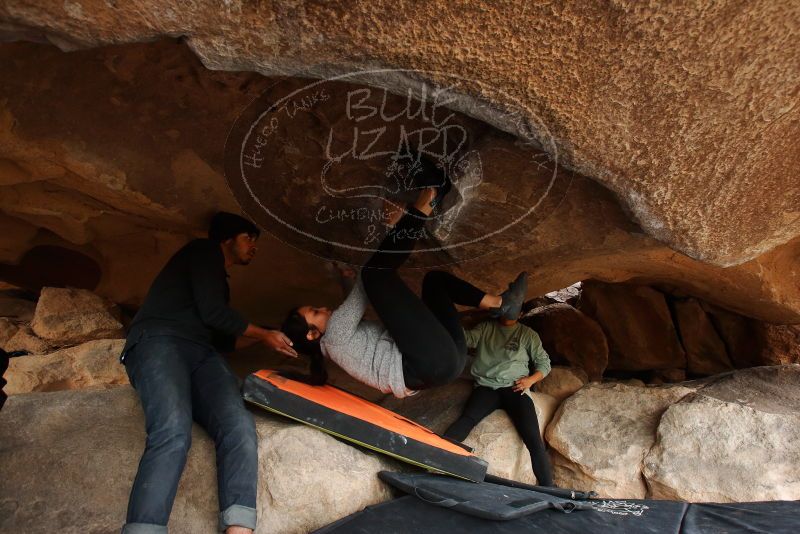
(513, 297)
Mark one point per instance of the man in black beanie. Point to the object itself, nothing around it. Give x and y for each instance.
(172, 357)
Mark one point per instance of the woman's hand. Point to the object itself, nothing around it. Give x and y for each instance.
(277, 340)
(524, 383)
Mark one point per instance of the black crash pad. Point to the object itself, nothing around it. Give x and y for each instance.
(485, 500)
(414, 514)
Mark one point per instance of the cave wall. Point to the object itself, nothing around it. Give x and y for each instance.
(687, 111)
(117, 153)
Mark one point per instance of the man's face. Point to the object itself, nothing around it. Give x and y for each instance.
(244, 248)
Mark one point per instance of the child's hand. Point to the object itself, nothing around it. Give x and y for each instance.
(524, 383)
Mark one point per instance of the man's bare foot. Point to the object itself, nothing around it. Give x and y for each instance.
(238, 530)
(490, 301)
(423, 203)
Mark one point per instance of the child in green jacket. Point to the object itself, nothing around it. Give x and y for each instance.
(505, 348)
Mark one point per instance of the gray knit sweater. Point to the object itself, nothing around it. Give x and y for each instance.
(364, 349)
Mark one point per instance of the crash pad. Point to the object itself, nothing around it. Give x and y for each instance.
(362, 422)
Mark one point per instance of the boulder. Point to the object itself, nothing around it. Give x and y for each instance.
(13, 306)
(25, 340)
(546, 406)
(771, 389)
(738, 333)
(638, 326)
(753, 343)
(93, 440)
(7, 330)
(310, 479)
(602, 433)
(705, 351)
(667, 376)
(94, 364)
(780, 344)
(737, 439)
(568, 295)
(635, 382)
(562, 382)
(571, 336)
(568, 474)
(69, 316)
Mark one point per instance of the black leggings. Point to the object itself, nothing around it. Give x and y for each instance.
(484, 401)
(427, 331)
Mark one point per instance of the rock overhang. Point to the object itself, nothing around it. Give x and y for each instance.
(681, 125)
(160, 218)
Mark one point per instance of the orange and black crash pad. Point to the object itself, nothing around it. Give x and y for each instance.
(361, 422)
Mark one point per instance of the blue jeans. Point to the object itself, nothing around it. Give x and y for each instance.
(179, 380)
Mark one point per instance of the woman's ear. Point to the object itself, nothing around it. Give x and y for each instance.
(312, 334)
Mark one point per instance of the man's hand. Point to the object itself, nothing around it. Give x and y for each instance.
(274, 339)
(277, 340)
(243, 342)
(525, 382)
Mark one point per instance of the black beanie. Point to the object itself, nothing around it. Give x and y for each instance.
(226, 226)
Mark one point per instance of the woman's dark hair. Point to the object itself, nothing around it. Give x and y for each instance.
(226, 226)
(296, 329)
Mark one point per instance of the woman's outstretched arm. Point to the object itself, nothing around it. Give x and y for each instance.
(345, 319)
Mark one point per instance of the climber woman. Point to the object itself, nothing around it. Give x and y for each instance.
(505, 352)
(421, 343)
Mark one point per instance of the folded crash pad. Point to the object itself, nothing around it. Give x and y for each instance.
(418, 512)
(485, 500)
(411, 515)
(364, 423)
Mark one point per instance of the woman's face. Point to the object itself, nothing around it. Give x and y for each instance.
(317, 319)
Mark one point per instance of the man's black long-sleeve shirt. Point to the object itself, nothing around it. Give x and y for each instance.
(189, 299)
